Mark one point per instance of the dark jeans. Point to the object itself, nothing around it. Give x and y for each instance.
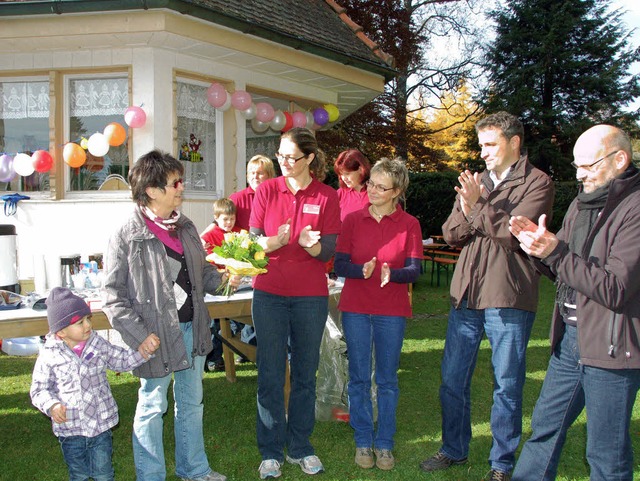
(508, 331)
(278, 319)
(88, 458)
(569, 387)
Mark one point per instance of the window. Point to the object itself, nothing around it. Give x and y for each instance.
(24, 128)
(93, 103)
(196, 136)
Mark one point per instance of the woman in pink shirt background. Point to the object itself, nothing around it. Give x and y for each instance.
(352, 169)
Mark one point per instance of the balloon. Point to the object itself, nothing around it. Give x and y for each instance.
(23, 165)
(278, 121)
(259, 126)
(74, 155)
(135, 117)
(84, 143)
(7, 173)
(310, 120)
(241, 100)
(250, 113)
(299, 119)
(333, 112)
(216, 95)
(98, 145)
(226, 105)
(42, 161)
(288, 125)
(115, 134)
(320, 116)
(264, 112)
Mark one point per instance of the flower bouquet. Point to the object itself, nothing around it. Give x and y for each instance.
(241, 254)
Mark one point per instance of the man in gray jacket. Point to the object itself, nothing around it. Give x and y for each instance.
(595, 332)
(494, 291)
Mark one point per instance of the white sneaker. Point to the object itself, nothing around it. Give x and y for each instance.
(309, 464)
(269, 468)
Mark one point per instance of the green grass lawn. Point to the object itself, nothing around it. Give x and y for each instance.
(29, 451)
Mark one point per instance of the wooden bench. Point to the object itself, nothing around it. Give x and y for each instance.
(441, 257)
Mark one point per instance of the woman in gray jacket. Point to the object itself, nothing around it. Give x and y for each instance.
(156, 279)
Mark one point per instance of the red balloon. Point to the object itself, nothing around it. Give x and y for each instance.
(288, 124)
(42, 161)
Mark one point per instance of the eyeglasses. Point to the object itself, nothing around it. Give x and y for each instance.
(378, 187)
(589, 166)
(287, 159)
(175, 183)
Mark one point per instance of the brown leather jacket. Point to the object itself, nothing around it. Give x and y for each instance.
(492, 271)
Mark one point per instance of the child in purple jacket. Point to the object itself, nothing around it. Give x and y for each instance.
(70, 384)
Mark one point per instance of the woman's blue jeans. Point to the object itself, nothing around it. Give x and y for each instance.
(299, 320)
(508, 331)
(569, 387)
(148, 449)
(366, 334)
(88, 458)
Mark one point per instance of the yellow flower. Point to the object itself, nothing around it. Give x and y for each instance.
(259, 255)
(246, 242)
(229, 236)
(244, 231)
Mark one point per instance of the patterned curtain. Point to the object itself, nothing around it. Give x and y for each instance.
(23, 100)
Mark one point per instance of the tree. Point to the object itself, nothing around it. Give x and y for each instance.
(561, 66)
(408, 30)
(450, 131)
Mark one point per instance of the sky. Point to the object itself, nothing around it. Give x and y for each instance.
(632, 19)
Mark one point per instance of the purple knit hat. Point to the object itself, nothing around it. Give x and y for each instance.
(64, 308)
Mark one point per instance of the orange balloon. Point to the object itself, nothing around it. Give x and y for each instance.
(115, 134)
(74, 155)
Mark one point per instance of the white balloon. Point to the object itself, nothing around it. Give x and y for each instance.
(23, 165)
(250, 113)
(279, 121)
(310, 119)
(98, 145)
(226, 105)
(258, 126)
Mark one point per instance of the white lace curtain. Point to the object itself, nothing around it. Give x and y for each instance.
(105, 96)
(24, 100)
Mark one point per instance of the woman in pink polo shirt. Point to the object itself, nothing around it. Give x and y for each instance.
(300, 219)
(379, 253)
(352, 169)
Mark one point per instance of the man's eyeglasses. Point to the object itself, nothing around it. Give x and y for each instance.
(378, 187)
(287, 159)
(175, 183)
(589, 166)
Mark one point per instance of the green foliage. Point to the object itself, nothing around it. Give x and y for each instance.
(430, 199)
(562, 66)
(565, 193)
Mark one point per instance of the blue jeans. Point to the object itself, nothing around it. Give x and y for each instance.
(148, 449)
(301, 320)
(569, 387)
(383, 335)
(88, 458)
(508, 331)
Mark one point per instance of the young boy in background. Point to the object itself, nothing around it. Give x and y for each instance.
(224, 220)
(70, 384)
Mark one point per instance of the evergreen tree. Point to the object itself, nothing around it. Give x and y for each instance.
(561, 66)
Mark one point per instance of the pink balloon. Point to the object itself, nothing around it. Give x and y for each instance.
(241, 100)
(7, 174)
(264, 112)
(216, 95)
(135, 117)
(299, 119)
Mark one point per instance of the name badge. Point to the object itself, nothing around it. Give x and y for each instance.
(311, 209)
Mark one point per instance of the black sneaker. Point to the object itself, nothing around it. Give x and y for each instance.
(495, 475)
(439, 461)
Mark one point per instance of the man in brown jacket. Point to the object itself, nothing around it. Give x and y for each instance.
(494, 291)
(595, 332)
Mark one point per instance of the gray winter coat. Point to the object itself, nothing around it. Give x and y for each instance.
(138, 295)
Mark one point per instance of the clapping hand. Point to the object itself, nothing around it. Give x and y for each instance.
(308, 238)
(534, 239)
